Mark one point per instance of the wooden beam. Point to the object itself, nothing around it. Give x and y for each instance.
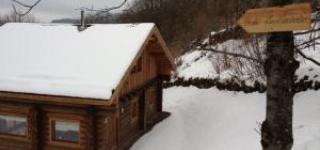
(139, 89)
(39, 128)
(160, 95)
(94, 134)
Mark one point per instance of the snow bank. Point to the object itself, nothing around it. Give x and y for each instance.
(57, 59)
(308, 68)
(206, 64)
(214, 120)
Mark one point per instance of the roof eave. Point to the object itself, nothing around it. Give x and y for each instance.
(165, 47)
(51, 99)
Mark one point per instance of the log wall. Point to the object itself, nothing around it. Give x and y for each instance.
(97, 127)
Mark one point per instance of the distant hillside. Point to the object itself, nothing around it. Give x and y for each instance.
(66, 20)
(92, 19)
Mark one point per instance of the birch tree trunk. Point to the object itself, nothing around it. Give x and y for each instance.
(280, 67)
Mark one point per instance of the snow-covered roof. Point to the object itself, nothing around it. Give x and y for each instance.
(57, 59)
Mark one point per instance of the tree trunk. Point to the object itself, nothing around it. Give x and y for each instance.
(280, 67)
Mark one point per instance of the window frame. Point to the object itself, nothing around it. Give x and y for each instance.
(14, 136)
(137, 68)
(52, 123)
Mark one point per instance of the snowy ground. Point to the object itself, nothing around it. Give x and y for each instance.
(219, 120)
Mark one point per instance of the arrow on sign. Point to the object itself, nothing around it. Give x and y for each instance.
(277, 19)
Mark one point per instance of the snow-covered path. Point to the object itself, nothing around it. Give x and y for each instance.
(219, 120)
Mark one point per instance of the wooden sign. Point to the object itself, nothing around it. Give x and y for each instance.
(277, 19)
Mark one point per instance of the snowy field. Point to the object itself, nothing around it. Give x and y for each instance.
(220, 120)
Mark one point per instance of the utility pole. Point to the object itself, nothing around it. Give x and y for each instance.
(280, 68)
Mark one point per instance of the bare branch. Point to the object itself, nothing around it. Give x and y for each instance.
(307, 57)
(308, 43)
(233, 54)
(105, 10)
(257, 131)
(306, 32)
(21, 4)
(28, 7)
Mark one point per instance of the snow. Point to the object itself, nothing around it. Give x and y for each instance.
(196, 64)
(57, 59)
(220, 120)
(206, 64)
(308, 68)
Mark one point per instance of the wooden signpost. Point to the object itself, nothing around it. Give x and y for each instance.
(277, 19)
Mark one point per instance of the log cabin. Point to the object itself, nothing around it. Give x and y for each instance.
(98, 88)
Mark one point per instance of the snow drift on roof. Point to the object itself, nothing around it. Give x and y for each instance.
(60, 60)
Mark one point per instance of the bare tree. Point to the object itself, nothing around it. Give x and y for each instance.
(104, 10)
(13, 17)
(280, 68)
(28, 7)
(282, 84)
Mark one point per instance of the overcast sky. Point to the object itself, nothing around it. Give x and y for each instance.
(48, 10)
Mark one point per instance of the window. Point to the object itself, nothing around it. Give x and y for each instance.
(65, 131)
(13, 125)
(138, 67)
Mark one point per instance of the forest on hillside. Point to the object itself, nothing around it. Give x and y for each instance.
(181, 22)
